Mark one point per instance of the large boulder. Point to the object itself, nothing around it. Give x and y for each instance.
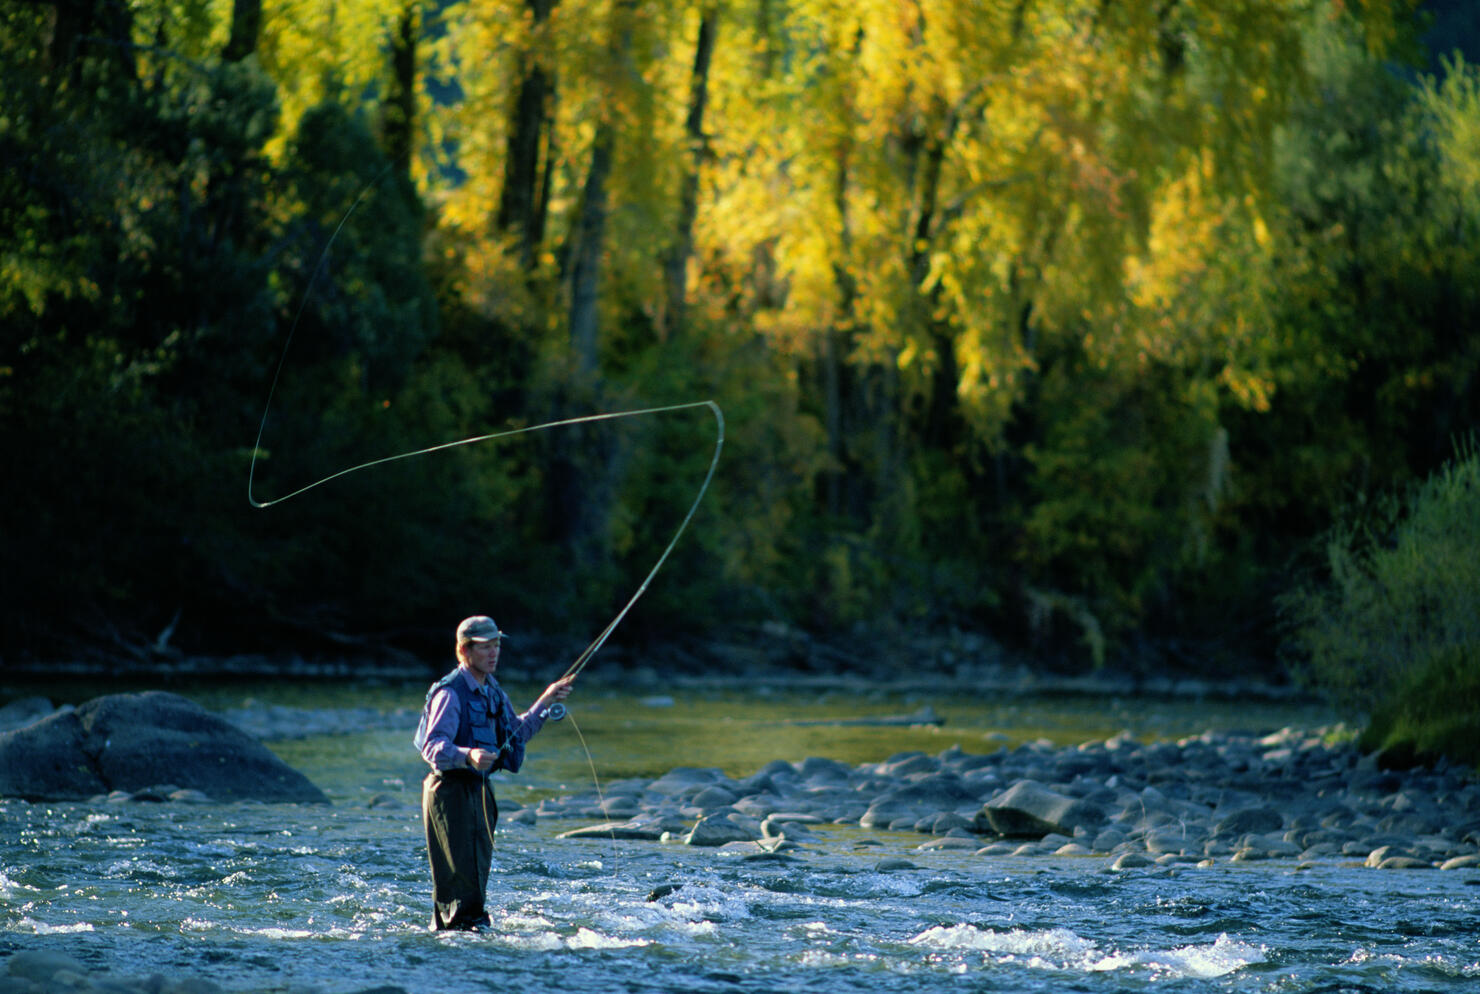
(49, 760)
(1029, 809)
(132, 741)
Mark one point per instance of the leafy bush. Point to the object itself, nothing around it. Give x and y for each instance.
(1394, 634)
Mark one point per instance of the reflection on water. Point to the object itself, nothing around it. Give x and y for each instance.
(280, 897)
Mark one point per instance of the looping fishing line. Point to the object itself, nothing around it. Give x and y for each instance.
(601, 638)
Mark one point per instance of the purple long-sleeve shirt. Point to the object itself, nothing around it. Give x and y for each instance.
(442, 720)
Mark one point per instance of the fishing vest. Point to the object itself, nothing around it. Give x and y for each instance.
(510, 750)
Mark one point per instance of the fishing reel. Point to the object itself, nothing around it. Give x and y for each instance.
(555, 711)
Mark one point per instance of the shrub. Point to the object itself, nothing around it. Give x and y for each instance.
(1393, 635)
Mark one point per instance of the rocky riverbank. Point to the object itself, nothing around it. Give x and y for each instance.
(1294, 795)
(1240, 798)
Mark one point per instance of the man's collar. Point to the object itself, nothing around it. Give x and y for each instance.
(486, 687)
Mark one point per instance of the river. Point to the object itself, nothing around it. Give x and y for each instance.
(335, 898)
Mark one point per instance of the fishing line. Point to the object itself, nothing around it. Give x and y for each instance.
(556, 711)
(600, 796)
(600, 640)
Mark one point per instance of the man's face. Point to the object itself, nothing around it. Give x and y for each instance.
(482, 656)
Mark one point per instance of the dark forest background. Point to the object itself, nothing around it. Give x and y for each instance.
(1076, 325)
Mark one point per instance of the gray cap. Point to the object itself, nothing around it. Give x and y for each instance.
(478, 628)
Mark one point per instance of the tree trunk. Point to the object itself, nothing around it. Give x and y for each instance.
(399, 112)
(942, 419)
(585, 274)
(589, 231)
(522, 203)
(835, 378)
(677, 263)
(92, 27)
(246, 26)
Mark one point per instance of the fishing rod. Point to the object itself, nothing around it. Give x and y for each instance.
(557, 710)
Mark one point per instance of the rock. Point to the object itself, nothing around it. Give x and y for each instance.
(22, 711)
(747, 849)
(683, 778)
(1321, 850)
(184, 796)
(662, 890)
(893, 863)
(650, 830)
(946, 822)
(948, 842)
(40, 965)
(49, 760)
(1172, 839)
(712, 831)
(1405, 863)
(1250, 854)
(920, 799)
(1461, 862)
(131, 742)
(1029, 809)
(621, 806)
(905, 763)
(1257, 820)
(1381, 854)
(781, 827)
(712, 798)
(816, 769)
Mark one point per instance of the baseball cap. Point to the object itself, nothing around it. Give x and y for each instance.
(478, 628)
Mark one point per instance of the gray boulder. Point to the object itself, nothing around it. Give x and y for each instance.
(126, 742)
(23, 711)
(712, 831)
(1030, 810)
(49, 760)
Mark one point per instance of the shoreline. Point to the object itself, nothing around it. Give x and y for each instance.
(1307, 794)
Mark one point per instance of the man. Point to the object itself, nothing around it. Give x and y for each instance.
(468, 730)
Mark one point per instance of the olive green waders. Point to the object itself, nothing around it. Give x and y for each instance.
(459, 814)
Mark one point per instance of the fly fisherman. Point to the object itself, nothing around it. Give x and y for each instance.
(469, 729)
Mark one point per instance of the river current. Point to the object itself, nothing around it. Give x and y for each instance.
(335, 898)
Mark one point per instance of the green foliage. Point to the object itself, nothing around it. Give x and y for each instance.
(1069, 321)
(1393, 633)
(1433, 712)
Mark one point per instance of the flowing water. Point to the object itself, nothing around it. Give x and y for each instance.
(335, 898)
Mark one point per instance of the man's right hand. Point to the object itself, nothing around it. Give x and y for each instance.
(481, 759)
